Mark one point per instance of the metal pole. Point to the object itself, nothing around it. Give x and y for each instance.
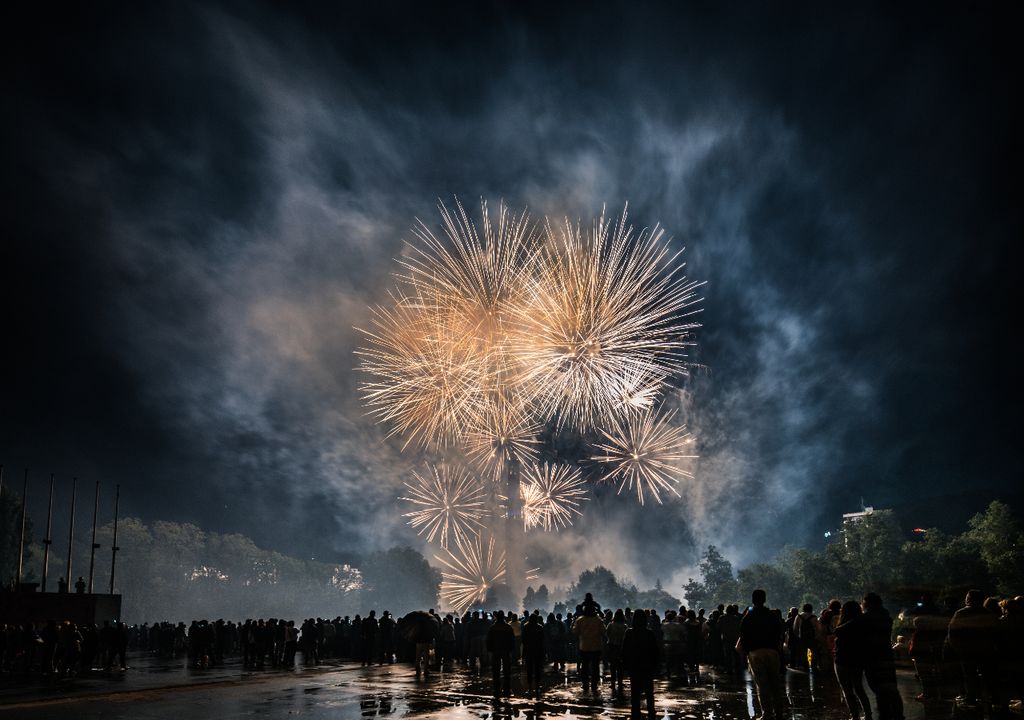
(95, 546)
(47, 540)
(71, 533)
(114, 548)
(21, 540)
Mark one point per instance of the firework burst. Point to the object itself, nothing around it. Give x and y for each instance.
(447, 504)
(497, 331)
(643, 452)
(551, 496)
(606, 308)
(426, 385)
(470, 571)
(504, 436)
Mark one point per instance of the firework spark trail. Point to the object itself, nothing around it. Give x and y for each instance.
(551, 496)
(470, 572)
(447, 503)
(644, 451)
(606, 306)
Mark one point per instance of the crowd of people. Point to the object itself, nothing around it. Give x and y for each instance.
(850, 642)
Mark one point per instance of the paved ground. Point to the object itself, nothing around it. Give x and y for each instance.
(153, 690)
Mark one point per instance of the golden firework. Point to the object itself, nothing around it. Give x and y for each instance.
(426, 384)
(447, 503)
(551, 496)
(643, 452)
(503, 436)
(470, 571)
(606, 308)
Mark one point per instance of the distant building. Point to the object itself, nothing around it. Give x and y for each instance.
(855, 517)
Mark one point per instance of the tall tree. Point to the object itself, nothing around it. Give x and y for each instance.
(716, 585)
(1000, 543)
(543, 598)
(605, 587)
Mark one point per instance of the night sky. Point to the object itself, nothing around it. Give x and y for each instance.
(200, 202)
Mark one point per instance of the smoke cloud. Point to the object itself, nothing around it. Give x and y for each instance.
(248, 180)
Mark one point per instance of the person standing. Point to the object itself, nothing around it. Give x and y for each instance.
(590, 633)
(616, 632)
(501, 642)
(879, 664)
(760, 630)
(850, 652)
(554, 630)
(805, 627)
(729, 627)
(386, 638)
(368, 638)
(971, 637)
(641, 656)
(533, 640)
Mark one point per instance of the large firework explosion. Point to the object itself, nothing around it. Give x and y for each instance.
(503, 328)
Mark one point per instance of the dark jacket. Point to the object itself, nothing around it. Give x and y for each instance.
(877, 631)
(533, 641)
(972, 632)
(850, 643)
(760, 629)
(641, 652)
(500, 638)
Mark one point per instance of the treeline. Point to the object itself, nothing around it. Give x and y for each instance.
(174, 571)
(874, 554)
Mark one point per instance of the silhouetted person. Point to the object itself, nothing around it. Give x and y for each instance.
(386, 638)
(971, 637)
(554, 631)
(760, 631)
(879, 664)
(80, 586)
(806, 630)
(616, 632)
(62, 585)
(641, 655)
(291, 644)
(588, 603)
(501, 642)
(368, 637)
(850, 654)
(533, 654)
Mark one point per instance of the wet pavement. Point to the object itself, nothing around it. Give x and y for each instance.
(154, 689)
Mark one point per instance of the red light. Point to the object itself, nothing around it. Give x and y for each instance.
(920, 530)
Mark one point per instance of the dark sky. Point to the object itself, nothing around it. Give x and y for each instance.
(202, 200)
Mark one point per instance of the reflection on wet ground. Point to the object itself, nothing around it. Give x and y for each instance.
(349, 691)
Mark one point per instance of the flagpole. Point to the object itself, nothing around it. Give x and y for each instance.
(47, 540)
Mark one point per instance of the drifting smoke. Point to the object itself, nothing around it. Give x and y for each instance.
(241, 254)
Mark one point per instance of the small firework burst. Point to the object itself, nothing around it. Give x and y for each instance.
(551, 496)
(643, 452)
(473, 568)
(504, 436)
(448, 503)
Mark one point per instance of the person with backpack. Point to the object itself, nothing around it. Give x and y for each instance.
(807, 631)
